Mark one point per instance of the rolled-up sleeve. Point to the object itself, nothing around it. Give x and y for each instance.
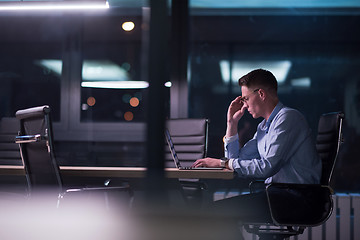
(237, 154)
(283, 153)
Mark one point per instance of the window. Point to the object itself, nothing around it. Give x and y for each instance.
(113, 88)
(312, 55)
(25, 80)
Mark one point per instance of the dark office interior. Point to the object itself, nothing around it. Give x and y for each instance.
(185, 66)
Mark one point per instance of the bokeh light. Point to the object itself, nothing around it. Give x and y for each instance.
(126, 66)
(128, 116)
(128, 26)
(134, 102)
(126, 98)
(91, 101)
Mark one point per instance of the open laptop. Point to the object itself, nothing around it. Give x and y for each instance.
(176, 159)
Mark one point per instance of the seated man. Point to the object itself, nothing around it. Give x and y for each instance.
(281, 151)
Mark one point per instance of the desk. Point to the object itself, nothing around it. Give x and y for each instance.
(124, 172)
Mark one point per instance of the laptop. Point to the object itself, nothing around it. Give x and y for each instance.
(176, 159)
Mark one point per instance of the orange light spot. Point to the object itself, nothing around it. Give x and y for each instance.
(91, 101)
(128, 116)
(134, 102)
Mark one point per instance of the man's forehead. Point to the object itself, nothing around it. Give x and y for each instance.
(244, 90)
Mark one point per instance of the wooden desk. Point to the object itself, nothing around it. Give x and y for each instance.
(124, 172)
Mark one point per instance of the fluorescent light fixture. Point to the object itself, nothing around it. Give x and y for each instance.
(225, 70)
(103, 70)
(53, 5)
(99, 74)
(116, 84)
(280, 69)
(119, 84)
(304, 82)
(92, 70)
(53, 65)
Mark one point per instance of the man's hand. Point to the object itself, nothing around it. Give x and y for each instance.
(235, 112)
(207, 162)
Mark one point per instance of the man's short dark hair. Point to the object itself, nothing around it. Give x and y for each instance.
(259, 78)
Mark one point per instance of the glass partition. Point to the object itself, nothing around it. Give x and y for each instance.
(30, 71)
(314, 57)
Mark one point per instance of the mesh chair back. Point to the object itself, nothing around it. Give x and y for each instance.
(36, 147)
(190, 138)
(328, 142)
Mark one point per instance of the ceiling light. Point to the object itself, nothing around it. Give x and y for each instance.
(304, 82)
(280, 68)
(128, 26)
(116, 84)
(53, 5)
(103, 70)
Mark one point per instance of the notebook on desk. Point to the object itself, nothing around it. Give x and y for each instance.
(176, 159)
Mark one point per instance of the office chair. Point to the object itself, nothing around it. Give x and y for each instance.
(288, 221)
(190, 138)
(9, 151)
(43, 175)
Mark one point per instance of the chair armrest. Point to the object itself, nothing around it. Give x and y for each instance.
(29, 138)
(102, 189)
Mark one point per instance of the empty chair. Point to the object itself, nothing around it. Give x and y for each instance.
(37, 152)
(10, 155)
(9, 151)
(190, 138)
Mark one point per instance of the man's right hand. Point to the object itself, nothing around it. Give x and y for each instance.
(235, 111)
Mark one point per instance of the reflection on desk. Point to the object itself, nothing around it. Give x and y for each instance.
(124, 172)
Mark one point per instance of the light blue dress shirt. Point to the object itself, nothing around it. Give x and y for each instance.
(282, 150)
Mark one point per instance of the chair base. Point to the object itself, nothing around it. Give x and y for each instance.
(273, 232)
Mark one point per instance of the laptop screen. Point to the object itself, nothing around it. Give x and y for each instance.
(172, 148)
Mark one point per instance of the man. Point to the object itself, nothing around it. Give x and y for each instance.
(282, 149)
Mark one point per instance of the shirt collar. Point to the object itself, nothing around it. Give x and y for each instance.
(272, 115)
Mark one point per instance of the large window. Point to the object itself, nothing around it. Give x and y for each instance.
(314, 58)
(26, 80)
(91, 70)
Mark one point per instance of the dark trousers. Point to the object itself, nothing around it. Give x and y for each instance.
(246, 208)
(288, 205)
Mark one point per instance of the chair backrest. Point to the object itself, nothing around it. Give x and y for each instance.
(9, 151)
(328, 142)
(36, 146)
(190, 138)
(320, 205)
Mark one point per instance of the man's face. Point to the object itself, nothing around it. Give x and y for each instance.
(252, 101)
